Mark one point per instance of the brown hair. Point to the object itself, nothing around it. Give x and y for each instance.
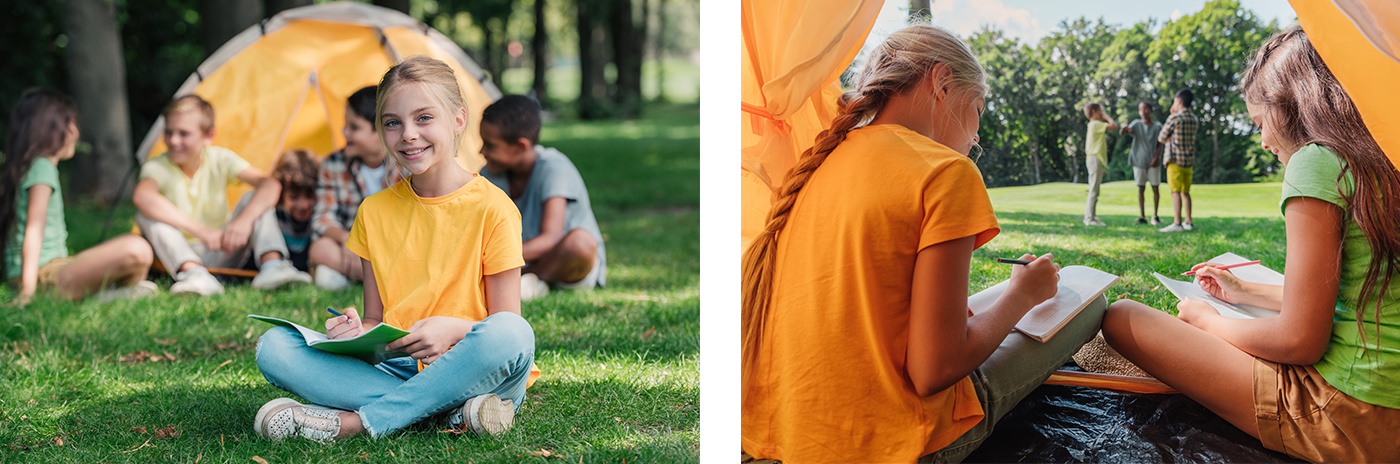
(896, 66)
(1091, 108)
(297, 170)
(435, 76)
(38, 127)
(1307, 105)
(192, 103)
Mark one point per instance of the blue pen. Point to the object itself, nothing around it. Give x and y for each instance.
(337, 313)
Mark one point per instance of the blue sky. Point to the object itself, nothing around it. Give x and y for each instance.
(1030, 20)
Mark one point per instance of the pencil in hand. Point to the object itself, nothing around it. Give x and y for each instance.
(1230, 266)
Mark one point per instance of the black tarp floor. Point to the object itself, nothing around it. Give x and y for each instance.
(1079, 424)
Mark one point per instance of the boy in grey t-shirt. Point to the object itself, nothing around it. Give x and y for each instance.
(1146, 159)
(560, 237)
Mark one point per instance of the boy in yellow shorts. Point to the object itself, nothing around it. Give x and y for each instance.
(1179, 135)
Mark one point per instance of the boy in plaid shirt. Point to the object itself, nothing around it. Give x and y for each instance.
(347, 177)
(1179, 135)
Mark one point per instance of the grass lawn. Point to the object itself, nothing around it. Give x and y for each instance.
(173, 379)
(1240, 218)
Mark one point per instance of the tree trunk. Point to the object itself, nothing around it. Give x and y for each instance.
(490, 51)
(627, 56)
(222, 19)
(97, 80)
(539, 49)
(919, 8)
(1215, 159)
(593, 86)
(660, 51)
(401, 5)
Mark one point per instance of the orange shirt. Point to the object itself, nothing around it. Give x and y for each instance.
(431, 255)
(830, 383)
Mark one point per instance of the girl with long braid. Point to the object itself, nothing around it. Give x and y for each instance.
(858, 342)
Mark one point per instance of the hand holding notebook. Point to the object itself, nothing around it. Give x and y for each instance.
(1079, 286)
(367, 346)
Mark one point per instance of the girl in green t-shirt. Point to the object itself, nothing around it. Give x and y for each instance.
(33, 236)
(1318, 381)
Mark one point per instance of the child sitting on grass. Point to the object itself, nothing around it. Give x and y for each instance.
(1318, 381)
(296, 170)
(562, 243)
(346, 178)
(1096, 158)
(441, 257)
(182, 207)
(33, 235)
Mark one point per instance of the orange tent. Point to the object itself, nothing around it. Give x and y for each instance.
(1360, 42)
(283, 82)
(794, 53)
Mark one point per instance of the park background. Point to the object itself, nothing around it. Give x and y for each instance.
(173, 379)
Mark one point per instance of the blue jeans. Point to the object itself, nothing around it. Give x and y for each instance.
(495, 357)
(1016, 368)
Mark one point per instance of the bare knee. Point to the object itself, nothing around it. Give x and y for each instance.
(580, 244)
(1117, 320)
(323, 251)
(137, 252)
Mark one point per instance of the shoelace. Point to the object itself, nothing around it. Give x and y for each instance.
(317, 424)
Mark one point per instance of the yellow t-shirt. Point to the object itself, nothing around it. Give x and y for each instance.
(204, 196)
(430, 255)
(830, 383)
(1094, 142)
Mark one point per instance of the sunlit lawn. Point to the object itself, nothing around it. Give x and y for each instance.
(172, 379)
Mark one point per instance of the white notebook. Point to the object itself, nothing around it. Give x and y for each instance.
(1079, 286)
(1257, 273)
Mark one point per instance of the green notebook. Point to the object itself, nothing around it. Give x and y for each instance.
(368, 346)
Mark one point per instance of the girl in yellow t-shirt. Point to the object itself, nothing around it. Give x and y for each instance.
(858, 342)
(442, 256)
(33, 235)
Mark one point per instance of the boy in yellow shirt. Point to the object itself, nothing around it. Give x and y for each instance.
(182, 207)
(1096, 158)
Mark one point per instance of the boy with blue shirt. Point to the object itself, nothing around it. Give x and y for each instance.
(1146, 158)
(560, 237)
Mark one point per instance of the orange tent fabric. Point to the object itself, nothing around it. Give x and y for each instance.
(1360, 42)
(283, 83)
(794, 53)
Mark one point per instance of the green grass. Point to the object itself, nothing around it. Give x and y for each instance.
(621, 364)
(1240, 218)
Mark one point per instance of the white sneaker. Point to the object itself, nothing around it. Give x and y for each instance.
(532, 287)
(1094, 222)
(1155, 221)
(136, 291)
(484, 414)
(330, 279)
(196, 280)
(1187, 226)
(279, 273)
(285, 417)
(1174, 227)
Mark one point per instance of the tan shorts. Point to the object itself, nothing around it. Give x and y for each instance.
(1300, 414)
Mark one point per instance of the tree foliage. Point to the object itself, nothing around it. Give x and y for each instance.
(1033, 128)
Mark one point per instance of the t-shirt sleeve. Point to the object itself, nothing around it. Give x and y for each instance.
(41, 173)
(1312, 172)
(358, 241)
(956, 205)
(561, 179)
(230, 164)
(1097, 126)
(501, 247)
(155, 170)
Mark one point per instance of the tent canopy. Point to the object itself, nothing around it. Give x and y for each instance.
(282, 83)
(1360, 42)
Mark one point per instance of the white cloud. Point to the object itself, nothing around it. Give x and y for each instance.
(965, 17)
(1177, 14)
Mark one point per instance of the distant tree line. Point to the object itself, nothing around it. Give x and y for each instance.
(1034, 126)
(121, 60)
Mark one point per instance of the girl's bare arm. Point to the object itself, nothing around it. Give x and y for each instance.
(37, 211)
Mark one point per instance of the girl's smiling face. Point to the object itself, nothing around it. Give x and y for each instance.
(418, 130)
(1269, 135)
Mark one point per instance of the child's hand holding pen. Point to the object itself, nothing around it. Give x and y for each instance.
(343, 325)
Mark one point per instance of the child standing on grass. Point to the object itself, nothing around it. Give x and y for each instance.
(1318, 381)
(1179, 135)
(296, 170)
(858, 345)
(1096, 158)
(33, 235)
(1146, 158)
(441, 257)
(346, 178)
(562, 243)
(182, 207)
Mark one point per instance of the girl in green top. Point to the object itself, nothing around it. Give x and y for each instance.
(33, 236)
(1321, 381)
